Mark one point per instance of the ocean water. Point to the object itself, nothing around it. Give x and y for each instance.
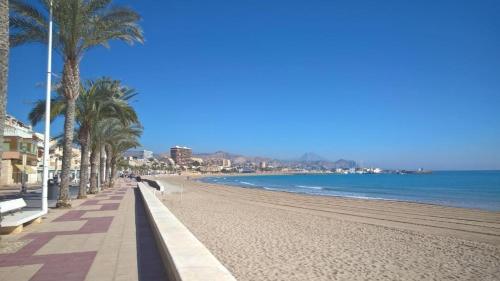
(469, 189)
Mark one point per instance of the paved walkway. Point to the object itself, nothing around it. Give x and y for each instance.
(105, 237)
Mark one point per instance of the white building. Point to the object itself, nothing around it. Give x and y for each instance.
(20, 153)
(139, 154)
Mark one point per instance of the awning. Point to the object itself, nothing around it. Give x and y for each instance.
(26, 169)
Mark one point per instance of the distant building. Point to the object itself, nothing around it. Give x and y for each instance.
(197, 160)
(226, 163)
(263, 165)
(246, 170)
(20, 153)
(134, 162)
(181, 155)
(210, 169)
(222, 162)
(55, 161)
(139, 154)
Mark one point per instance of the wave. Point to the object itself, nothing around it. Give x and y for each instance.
(365, 197)
(436, 189)
(311, 187)
(274, 189)
(248, 183)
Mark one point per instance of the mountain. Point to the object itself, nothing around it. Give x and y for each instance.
(216, 155)
(345, 164)
(235, 158)
(308, 160)
(311, 157)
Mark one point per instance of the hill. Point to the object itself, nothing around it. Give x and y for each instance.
(307, 160)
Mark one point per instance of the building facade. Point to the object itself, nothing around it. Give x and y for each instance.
(139, 154)
(55, 162)
(181, 155)
(21, 151)
(223, 163)
(22, 155)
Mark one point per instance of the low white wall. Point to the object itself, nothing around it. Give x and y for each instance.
(185, 257)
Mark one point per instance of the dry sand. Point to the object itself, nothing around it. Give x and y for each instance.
(266, 235)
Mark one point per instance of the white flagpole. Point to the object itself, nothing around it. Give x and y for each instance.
(46, 145)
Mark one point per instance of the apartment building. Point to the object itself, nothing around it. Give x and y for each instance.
(22, 149)
(181, 155)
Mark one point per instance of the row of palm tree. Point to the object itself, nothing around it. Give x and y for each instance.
(107, 125)
(78, 25)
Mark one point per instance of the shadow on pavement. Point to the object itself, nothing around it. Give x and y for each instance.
(149, 263)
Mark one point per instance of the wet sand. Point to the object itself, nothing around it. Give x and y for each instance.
(267, 235)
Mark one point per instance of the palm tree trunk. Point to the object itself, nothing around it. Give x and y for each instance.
(113, 173)
(4, 67)
(108, 165)
(71, 89)
(102, 165)
(84, 165)
(94, 164)
(64, 196)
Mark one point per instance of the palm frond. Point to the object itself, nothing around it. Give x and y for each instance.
(95, 6)
(117, 23)
(37, 113)
(28, 11)
(78, 25)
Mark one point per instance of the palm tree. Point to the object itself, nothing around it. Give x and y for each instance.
(107, 149)
(94, 159)
(117, 150)
(99, 100)
(123, 112)
(118, 108)
(78, 26)
(118, 138)
(102, 164)
(4, 66)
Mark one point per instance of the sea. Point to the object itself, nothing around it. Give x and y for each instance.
(467, 189)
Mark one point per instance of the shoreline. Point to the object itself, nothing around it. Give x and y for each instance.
(200, 178)
(270, 235)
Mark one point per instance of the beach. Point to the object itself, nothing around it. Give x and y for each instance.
(268, 235)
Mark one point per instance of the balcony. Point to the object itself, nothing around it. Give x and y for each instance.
(18, 132)
(15, 149)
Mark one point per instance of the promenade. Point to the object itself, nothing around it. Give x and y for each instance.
(104, 237)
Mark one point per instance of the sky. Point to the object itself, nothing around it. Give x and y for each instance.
(393, 84)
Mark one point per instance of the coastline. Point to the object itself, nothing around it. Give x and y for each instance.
(200, 178)
(259, 233)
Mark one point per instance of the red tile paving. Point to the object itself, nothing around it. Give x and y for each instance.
(72, 266)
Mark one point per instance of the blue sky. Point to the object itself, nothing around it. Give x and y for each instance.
(396, 84)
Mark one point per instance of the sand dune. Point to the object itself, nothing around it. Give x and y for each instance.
(266, 235)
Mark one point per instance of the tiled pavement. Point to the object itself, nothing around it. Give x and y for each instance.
(106, 237)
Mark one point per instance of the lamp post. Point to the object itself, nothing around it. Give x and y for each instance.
(46, 145)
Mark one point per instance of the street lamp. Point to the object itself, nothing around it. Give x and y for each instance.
(46, 145)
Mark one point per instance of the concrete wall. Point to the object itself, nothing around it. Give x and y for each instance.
(185, 258)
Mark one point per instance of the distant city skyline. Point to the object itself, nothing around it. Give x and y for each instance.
(360, 162)
(392, 84)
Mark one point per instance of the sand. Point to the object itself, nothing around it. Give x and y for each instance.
(266, 235)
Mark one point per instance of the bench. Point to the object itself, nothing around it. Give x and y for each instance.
(14, 222)
(11, 205)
